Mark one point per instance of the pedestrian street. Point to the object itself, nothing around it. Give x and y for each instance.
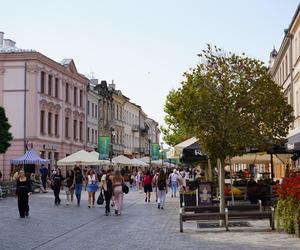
(141, 226)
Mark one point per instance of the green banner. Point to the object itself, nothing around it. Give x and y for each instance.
(154, 151)
(104, 147)
(163, 154)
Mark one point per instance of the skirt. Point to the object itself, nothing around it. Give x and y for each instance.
(92, 188)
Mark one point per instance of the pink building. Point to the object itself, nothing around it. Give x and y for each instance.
(45, 102)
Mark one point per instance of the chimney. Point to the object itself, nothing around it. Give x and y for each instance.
(1, 38)
(112, 85)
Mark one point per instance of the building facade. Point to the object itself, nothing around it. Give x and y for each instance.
(92, 133)
(45, 102)
(285, 70)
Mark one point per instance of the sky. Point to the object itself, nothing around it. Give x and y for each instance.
(144, 46)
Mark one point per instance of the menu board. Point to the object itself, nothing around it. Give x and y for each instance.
(204, 193)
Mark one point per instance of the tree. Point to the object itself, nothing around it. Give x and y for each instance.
(230, 103)
(174, 132)
(5, 135)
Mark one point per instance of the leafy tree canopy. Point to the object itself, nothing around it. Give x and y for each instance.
(5, 135)
(230, 103)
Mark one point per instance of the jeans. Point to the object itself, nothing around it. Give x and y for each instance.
(161, 197)
(174, 187)
(78, 188)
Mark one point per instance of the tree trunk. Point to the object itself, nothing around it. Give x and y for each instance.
(221, 184)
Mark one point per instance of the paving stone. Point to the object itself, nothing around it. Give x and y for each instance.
(142, 226)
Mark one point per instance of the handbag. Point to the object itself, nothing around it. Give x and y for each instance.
(100, 199)
(125, 188)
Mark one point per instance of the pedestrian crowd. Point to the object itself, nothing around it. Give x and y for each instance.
(111, 184)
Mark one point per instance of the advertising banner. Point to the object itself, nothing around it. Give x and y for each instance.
(154, 151)
(104, 147)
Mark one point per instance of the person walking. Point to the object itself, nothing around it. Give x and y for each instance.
(78, 180)
(43, 177)
(147, 182)
(162, 187)
(173, 179)
(155, 184)
(23, 192)
(107, 186)
(117, 183)
(70, 186)
(56, 183)
(139, 180)
(92, 186)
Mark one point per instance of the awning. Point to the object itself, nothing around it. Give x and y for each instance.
(30, 157)
(81, 157)
(258, 158)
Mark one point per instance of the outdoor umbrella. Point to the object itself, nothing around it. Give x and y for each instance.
(30, 157)
(81, 157)
(138, 162)
(193, 153)
(122, 160)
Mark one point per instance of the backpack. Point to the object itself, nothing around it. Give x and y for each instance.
(161, 184)
(147, 180)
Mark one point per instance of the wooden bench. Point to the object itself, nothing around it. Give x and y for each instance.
(235, 214)
(204, 216)
(211, 212)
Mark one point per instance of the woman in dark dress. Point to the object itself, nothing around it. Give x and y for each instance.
(23, 192)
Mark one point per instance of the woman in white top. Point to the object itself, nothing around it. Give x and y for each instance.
(92, 186)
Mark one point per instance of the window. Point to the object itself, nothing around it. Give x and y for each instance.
(96, 136)
(80, 130)
(50, 123)
(56, 124)
(75, 96)
(42, 82)
(88, 134)
(88, 107)
(96, 111)
(92, 135)
(75, 130)
(93, 110)
(67, 127)
(80, 98)
(50, 85)
(117, 113)
(56, 87)
(286, 65)
(67, 92)
(42, 122)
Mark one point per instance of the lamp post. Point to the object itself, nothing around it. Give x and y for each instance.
(111, 144)
(149, 142)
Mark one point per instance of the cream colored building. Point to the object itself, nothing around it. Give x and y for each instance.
(92, 132)
(45, 102)
(285, 69)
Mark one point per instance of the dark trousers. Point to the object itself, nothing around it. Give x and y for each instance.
(56, 191)
(107, 197)
(44, 181)
(23, 203)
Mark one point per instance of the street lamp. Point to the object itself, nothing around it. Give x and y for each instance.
(149, 142)
(112, 133)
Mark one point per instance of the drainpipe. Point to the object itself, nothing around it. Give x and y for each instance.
(290, 36)
(25, 104)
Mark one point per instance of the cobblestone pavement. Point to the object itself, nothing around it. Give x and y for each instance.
(142, 226)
